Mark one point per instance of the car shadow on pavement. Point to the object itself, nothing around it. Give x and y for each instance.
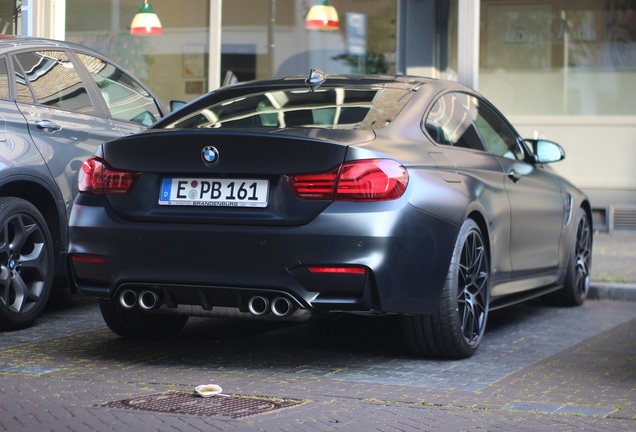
(320, 343)
(215, 342)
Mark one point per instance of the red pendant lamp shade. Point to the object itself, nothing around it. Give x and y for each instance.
(322, 16)
(145, 22)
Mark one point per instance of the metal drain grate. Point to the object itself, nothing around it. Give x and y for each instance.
(234, 407)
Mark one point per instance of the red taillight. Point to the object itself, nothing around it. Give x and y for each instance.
(96, 177)
(320, 186)
(362, 180)
(340, 270)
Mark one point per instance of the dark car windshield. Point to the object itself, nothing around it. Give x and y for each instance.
(368, 107)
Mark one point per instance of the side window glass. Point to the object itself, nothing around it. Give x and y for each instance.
(448, 123)
(4, 79)
(499, 139)
(55, 81)
(126, 98)
(22, 86)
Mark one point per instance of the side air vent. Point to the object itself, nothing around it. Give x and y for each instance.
(623, 218)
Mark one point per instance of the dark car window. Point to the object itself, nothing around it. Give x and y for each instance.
(55, 81)
(448, 123)
(126, 99)
(499, 139)
(332, 108)
(23, 91)
(4, 79)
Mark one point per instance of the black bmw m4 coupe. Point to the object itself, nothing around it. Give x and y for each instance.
(289, 197)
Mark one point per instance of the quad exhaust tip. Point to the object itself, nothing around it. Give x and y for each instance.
(148, 300)
(128, 298)
(281, 306)
(258, 305)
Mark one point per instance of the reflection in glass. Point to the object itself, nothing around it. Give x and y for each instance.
(54, 81)
(126, 99)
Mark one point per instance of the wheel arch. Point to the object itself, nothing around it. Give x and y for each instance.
(41, 196)
(480, 220)
(587, 207)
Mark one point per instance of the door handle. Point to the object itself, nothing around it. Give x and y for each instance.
(47, 125)
(514, 176)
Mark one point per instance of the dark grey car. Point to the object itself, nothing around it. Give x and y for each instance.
(58, 102)
(340, 193)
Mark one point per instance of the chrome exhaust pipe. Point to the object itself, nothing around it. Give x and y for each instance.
(258, 305)
(281, 306)
(149, 300)
(128, 298)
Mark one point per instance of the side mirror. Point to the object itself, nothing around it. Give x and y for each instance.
(546, 151)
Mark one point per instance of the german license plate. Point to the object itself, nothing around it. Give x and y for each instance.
(214, 192)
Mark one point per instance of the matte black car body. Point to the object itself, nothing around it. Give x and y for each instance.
(470, 231)
(58, 102)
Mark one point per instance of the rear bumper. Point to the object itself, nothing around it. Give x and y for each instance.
(404, 254)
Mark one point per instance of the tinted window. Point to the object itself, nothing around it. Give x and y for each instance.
(126, 98)
(448, 123)
(369, 107)
(499, 139)
(4, 79)
(23, 90)
(55, 81)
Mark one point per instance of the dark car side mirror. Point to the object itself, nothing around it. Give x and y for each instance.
(546, 151)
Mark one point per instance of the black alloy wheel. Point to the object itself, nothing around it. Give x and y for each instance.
(457, 329)
(26, 263)
(579, 267)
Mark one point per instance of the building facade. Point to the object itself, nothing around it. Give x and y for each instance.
(563, 70)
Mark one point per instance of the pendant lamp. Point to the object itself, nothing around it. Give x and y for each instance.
(322, 16)
(145, 22)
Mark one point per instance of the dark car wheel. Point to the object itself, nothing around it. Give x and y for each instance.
(579, 269)
(456, 330)
(137, 324)
(26, 263)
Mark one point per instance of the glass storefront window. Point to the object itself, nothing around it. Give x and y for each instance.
(559, 57)
(268, 38)
(173, 65)
(260, 38)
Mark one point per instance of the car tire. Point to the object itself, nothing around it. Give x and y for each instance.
(26, 263)
(456, 330)
(579, 268)
(137, 324)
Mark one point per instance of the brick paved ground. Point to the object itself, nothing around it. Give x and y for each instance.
(540, 368)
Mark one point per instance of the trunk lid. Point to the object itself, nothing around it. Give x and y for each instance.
(241, 158)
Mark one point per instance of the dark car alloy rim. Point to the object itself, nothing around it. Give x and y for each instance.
(22, 264)
(473, 288)
(583, 256)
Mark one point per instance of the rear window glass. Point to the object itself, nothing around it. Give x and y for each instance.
(370, 107)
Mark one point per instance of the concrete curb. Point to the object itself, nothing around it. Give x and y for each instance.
(612, 291)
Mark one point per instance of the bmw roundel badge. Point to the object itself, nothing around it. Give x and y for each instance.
(210, 155)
